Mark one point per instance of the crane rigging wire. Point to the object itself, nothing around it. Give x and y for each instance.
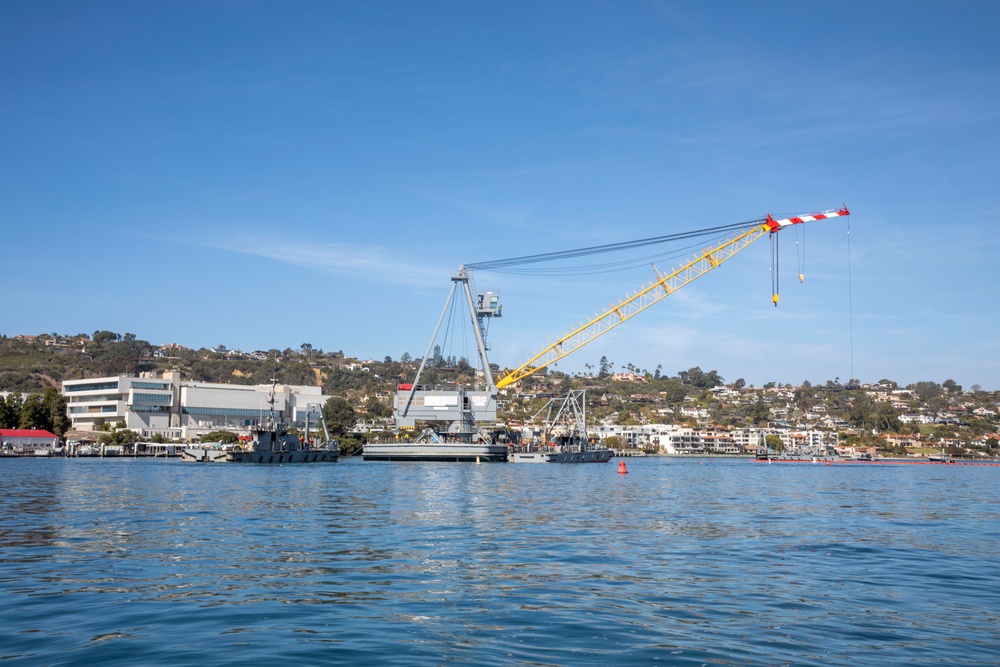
(454, 339)
(705, 260)
(850, 294)
(449, 326)
(608, 267)
(608, 247)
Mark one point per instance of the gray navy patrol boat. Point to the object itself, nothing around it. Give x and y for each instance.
(270, 442)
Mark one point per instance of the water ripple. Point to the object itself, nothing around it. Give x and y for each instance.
(680, 562)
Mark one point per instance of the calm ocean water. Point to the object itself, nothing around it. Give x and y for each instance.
(700, 562)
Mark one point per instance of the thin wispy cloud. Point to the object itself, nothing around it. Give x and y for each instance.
(378, 264)
(372, 263)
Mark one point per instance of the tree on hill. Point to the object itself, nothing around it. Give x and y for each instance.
(34, 414)
(804, 401)
(699, 378)
(297, 371)
(758, 412)
(56, 405)
(101, 337)
(339, 415)
(774, 443)
(124, 357)
(376, 409)
(225, 437)
(120, 436)
(870, 415)
(673, 390)
(10, 411)
(926, 390)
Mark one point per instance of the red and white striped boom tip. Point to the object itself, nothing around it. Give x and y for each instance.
(775, 225)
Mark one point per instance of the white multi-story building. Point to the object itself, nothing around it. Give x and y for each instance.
(686, 440)
(141, 402)
(745, 439)
(628, 436)
(183, 409)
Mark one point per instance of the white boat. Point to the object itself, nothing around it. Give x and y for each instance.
(87, 450)
(943, 458)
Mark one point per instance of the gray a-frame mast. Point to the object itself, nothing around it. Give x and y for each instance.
(458, 407)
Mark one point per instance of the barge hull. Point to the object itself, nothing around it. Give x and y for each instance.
(459, 452)
(589, 456)
(197, 455)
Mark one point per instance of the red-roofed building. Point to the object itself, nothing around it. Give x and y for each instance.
(25, 439)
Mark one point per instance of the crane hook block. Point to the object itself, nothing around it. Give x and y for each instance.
(775, 300)
(802, 277)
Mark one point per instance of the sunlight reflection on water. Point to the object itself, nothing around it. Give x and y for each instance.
(120, 562)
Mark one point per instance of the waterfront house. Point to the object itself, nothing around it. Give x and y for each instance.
(27, 440)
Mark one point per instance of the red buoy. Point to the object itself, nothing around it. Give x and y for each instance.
(622, 470)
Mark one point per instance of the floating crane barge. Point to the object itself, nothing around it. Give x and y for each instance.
(455, 415)
(456, 411)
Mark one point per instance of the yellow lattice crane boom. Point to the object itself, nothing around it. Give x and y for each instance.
(662, 287)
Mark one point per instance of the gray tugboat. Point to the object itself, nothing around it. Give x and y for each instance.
(270, 442)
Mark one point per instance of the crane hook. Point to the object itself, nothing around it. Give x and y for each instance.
(774, 269)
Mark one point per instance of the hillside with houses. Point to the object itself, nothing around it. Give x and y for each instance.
(688, 412)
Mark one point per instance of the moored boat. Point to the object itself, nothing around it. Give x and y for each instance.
(564, 436)
(269, 442)
(560, 454)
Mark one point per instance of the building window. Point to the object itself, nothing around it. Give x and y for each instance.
(223, 412)
(93, 386)
(150, 385)
(91, 409)
(158, 399)
(97, 399)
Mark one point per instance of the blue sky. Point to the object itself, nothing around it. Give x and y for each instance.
(269, 174)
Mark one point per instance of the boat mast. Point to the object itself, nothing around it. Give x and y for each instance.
(270, 402)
